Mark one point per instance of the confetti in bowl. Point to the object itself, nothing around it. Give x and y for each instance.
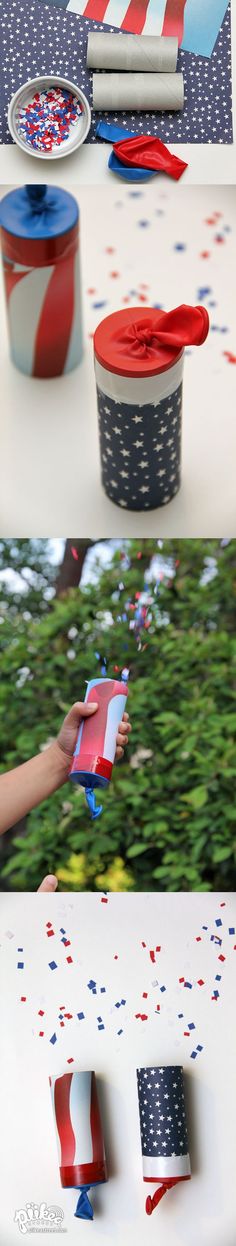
(49, 117)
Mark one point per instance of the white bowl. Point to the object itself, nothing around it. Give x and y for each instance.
(25, 94)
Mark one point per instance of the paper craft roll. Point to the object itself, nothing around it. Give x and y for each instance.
(139, 358)
(142, 52)
(153, 92)
(40, 252)
(79, 1135)
(96, 742)
(163, 1128)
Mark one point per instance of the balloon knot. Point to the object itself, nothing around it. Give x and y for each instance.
(84, 1210)
(94, 809)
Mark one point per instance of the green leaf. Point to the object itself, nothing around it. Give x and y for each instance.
(222, 854)
(136, 850)
(197, 797)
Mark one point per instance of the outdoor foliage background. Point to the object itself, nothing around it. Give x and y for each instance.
(169, 819)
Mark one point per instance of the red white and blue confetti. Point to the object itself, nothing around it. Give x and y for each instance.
(126, 1004)
(48, 118)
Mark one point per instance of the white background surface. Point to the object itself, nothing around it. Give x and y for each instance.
(49, 461)
(207, 162)
(202, 1211)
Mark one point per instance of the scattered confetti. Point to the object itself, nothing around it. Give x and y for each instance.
(65, 1016)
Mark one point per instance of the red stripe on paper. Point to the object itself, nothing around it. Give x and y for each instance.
(95, 10)
(94, 728)
(63, 1120)
(38, 252)
(11, 279)
(55, 322)
(174, 19)
(95, 1124)
(134, 20)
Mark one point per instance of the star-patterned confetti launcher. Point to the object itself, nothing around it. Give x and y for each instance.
(139, 357)
(40, 248)
(79, 1135)
(96, 742)
(163, 1128)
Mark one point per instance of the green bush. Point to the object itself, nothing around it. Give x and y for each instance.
(169, 817)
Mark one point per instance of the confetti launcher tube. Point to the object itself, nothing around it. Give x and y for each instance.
(40, 252)
(132, 52)
(153, 92)
(79, 1135)
(139, 358)
(163, 1128)
(96, 743)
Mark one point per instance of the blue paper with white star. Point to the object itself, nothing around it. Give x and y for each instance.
(140, 450)
(162, 1114)
(38, 38)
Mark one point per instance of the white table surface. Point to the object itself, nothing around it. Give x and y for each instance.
(49, 461)
(203, 1210)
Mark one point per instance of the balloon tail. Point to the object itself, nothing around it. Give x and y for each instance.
(152, 1201)
(94, 809)
(84, 1210)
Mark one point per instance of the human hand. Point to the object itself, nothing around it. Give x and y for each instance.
(66, 740)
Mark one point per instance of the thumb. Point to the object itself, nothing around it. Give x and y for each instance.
(49, 883)
(81, 709)
(68, 733)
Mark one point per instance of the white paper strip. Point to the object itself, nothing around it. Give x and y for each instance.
(134, 52)
(138, 389)
(166, 1166)
(154, 92)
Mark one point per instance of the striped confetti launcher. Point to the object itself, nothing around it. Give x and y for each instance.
(79, 1135)
(40, 238)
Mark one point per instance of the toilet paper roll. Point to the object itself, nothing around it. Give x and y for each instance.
(150, 53)
(135, 91)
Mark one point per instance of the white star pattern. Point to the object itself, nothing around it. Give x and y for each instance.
(156, 476)
(157, 1136)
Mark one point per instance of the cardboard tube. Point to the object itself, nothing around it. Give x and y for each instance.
(155, 92)
(149, 53)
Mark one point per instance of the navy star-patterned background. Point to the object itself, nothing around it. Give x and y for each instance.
(43, 38)
(162, 1111)
(140, 450)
